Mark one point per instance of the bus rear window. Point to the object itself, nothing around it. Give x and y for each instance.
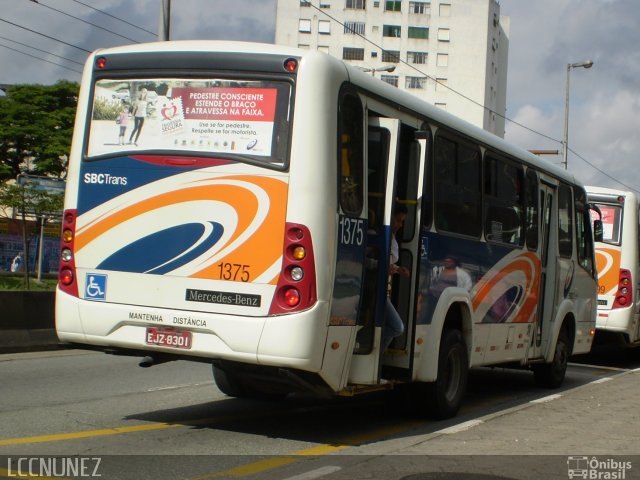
(196, 116)
(611, 223)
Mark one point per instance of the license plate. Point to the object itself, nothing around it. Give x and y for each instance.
(168, 338)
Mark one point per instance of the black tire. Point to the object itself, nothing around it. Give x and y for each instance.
(551, 375)
(233, 386)
(446, 393)
(227, 384)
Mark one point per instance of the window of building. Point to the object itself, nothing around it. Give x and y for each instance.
(325, 5)
(443, 35)
(304, 26)
(356, 4)
(354, 28)
(349, 53)
(445, 10)
(391, 30)
(419, 32)
(503, 201)
(442, 60)
(376, 4)
(457, 177)
(304, 46)
(393, 5)
(391, 56)
(324, 27)
(374, 54)
(417, 57)
(441, 85)
(415, 82)
(375, 29)
(305, 3)
(420, 7)
(390, 79)
(323, 49)
(350, 159)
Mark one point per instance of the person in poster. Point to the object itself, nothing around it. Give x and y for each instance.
(139, 114)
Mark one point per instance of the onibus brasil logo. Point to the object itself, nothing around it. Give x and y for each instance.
(594, 468)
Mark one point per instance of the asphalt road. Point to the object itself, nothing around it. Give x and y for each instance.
(170, 421)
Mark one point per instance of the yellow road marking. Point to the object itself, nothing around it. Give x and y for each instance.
(88, 433)
(269, 464)
(240, 471)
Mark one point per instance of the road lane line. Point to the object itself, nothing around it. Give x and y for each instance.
(602, 380)
(460, 427)
(546, 399)
(317, 473)
(88, 433)
(262, 466)
(599, 367)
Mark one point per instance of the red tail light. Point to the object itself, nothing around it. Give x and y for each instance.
(67, 281)
(624, 295)
(296, 289)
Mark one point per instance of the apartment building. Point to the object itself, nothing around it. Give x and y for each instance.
(452, 53)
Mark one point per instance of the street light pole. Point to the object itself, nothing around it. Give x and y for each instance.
(165, 21)
(565, 140)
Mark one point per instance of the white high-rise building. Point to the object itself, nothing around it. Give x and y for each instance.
(452, 53)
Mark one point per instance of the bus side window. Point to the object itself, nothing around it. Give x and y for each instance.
(565, 221)
(351, 155)
(503, 199)
(531, 209)
(584, 237)
(457, 187)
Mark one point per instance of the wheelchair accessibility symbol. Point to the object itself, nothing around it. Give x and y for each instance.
(95, 286)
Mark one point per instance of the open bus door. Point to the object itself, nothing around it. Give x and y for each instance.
(382, 142)
(546, 300)
(394, 169)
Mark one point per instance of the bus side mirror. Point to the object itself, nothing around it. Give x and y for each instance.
(598, 230)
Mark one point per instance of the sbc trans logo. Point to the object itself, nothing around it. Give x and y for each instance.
(593, 468)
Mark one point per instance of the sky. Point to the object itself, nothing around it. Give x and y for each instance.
(544, 37)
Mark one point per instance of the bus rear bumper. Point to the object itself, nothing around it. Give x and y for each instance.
(617, 321)
(289, 341)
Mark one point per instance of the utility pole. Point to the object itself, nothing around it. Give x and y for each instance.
(165, 21)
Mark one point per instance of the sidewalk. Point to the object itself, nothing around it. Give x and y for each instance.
(599, 418)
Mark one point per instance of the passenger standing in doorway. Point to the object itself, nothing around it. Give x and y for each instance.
(393, 325)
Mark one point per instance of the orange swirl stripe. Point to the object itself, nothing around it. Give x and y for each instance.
(608, 278)
(527, 263)
(264, 247)
(259, 252)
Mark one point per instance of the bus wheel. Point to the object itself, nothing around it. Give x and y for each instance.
(551, 375)
(446, 393)
(227, 383)
(232, 386)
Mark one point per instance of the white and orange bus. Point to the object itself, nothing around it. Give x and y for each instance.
(618, 263)
(237, 229)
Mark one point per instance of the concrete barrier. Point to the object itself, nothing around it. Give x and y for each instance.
(27, 321)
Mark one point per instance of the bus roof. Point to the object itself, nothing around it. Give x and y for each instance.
(361, 79)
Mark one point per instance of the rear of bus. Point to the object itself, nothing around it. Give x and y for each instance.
(177, 243)
(617, 262)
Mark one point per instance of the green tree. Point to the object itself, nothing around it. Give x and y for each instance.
(36, 126)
